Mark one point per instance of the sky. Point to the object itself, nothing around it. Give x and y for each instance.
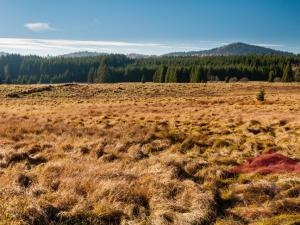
(54, 27)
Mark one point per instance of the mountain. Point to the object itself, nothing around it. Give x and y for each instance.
(237, 48)
(82, 54)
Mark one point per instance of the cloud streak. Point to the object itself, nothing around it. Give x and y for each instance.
(63, 46)
(268, 45)
(54, 47)
(38, 27)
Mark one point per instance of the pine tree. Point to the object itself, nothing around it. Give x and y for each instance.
(91, 74)
(143, 79)
(184, 75)
(297, 75)
(204, 76)
(156, 76)
(160, 74)
(174, 76)
(197, 75)
(209, 74)
(104, 72)
(288, 74)
(169, 74)
(271, 76)
(163, 74)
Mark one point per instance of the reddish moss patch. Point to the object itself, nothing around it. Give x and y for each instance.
(268, 163)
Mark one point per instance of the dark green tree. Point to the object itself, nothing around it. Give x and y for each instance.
(104, 72)
(143, 79)
(288, 74)
(160, 74)
(297, 75)
(271, 76)
(91, 75)
(197, 75)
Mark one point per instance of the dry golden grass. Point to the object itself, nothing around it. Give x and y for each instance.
(146, 154)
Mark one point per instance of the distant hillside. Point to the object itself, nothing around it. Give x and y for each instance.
(3, 53)
(94, 54)
(138, 56)
(232, 50)
(82, 54)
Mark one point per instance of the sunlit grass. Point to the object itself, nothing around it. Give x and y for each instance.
(146, 153)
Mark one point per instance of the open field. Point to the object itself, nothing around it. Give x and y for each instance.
(146, 154)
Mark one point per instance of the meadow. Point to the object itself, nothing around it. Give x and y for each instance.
(134, 153)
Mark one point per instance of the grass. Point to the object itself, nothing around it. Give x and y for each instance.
(282, 220)
(146, 153)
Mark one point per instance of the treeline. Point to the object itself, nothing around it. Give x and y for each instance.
(119, 68)
(33, 69)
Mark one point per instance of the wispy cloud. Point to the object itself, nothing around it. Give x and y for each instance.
(62, 46)
(268, 45)
(38, 27)
(46, 47)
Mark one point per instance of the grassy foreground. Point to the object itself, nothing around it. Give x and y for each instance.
(146, 154)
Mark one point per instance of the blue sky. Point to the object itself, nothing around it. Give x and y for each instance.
(146, 26)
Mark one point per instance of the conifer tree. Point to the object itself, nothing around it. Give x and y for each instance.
(271, 76)
(174, 76)
(160, 74)
(169, 75)
(197, 75)
(143, 79)
(288, 74)
(91, 74)
(104, 72)
(297, 75)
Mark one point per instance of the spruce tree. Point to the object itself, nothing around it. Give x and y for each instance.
(297, 75)
(204, 76)
(143, 79)
(174, 78)
(271, 76)
(288, 74)
(90, 77)
(194, 77)
(160, 74)
(104, 72)
(156, 76)
(209, 74)
(169, 75)
(197, 75)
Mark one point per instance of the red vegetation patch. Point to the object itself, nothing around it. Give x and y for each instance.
(268, 163)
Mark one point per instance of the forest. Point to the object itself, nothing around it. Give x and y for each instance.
(17, 69)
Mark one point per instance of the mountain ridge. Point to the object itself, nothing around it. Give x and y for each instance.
(236, 48)
(82, 54)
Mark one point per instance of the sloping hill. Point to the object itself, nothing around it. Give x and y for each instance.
(82, 54)
(233, 49)
(94, 54)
